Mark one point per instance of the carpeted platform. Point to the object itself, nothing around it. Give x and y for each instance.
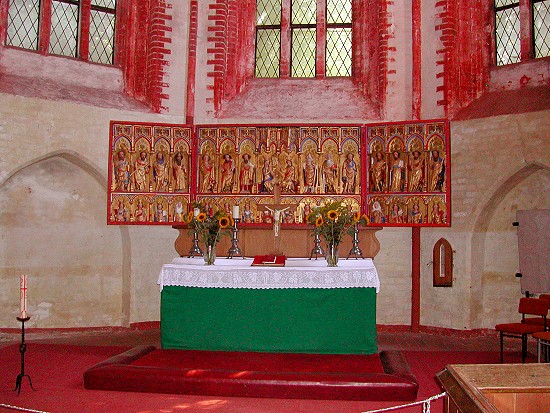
(385, 376)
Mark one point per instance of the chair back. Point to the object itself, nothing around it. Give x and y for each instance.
(533, 306)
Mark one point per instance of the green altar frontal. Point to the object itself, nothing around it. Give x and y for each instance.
(339, 320)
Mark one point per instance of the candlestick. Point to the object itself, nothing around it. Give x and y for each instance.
(234, 250)
(355, 250)
(317, 249)
(236, 212)
(22, 349)
(23, 296)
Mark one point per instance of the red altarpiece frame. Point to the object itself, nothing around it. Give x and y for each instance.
(396, 173)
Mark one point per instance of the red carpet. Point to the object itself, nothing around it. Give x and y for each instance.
(57, 375)
(247, 374)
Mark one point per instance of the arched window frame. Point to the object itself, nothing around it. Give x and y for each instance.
(442, 264)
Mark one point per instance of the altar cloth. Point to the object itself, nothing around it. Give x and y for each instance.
(304, 307)
(298, 273)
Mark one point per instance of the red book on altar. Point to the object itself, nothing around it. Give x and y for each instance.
(269, 260)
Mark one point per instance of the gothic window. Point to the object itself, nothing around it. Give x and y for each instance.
(83, 29)
(320, 40)
(522, 30)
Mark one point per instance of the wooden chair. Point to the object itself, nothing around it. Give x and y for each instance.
(543, 345)
(527, 306)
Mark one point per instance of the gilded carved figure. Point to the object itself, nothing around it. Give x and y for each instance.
(140, 213)
(227, 173)
(121, 172)
(179, 173)
(207, 174)
(141, 172)
(416, 172)
(289, 181)
(246, 174)
(416, 214)
(397, 172)
(309, 172)
(378, 173)
(329, 172)
(160, 173)
(349, 174)
(436, 167)
(267, 177)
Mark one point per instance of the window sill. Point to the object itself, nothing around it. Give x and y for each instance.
(29, 74)
(301, 98)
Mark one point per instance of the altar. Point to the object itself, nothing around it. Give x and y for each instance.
(303, 307)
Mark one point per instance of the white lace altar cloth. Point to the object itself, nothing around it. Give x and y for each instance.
(298, 273)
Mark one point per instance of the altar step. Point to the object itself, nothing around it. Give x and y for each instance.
(384, 376)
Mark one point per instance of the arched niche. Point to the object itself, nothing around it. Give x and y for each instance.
(442, 264)
(52, 219)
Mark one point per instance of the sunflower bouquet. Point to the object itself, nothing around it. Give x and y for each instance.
(209, 228)
(334, 220)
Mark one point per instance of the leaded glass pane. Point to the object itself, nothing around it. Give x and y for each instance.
(501, 3)
(507, 36)
(109, 4)
(303, 53)
(23, 24)
(304, 12)
(102, 35)
(338, 52)
(64, 31)
(268, 47)
(268, 12)
(338, 11)
(541, 17)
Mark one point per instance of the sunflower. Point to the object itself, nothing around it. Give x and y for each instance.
(188, 217)
(201, 217)
(224, 222)
(319, 221)
(356, 216)
(332, 214)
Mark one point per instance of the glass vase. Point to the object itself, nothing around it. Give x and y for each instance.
(332, 255)
(209, 254)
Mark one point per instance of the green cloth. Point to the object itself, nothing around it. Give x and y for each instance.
(300, 320)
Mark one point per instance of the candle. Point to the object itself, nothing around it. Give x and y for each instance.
(23, 296)
(236, 212)
(196, 212)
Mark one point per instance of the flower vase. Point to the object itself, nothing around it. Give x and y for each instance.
(209, 254)
(332, 255)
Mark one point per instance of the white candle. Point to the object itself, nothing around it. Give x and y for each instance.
(236, 212)
(23, 296)
(196, 212)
